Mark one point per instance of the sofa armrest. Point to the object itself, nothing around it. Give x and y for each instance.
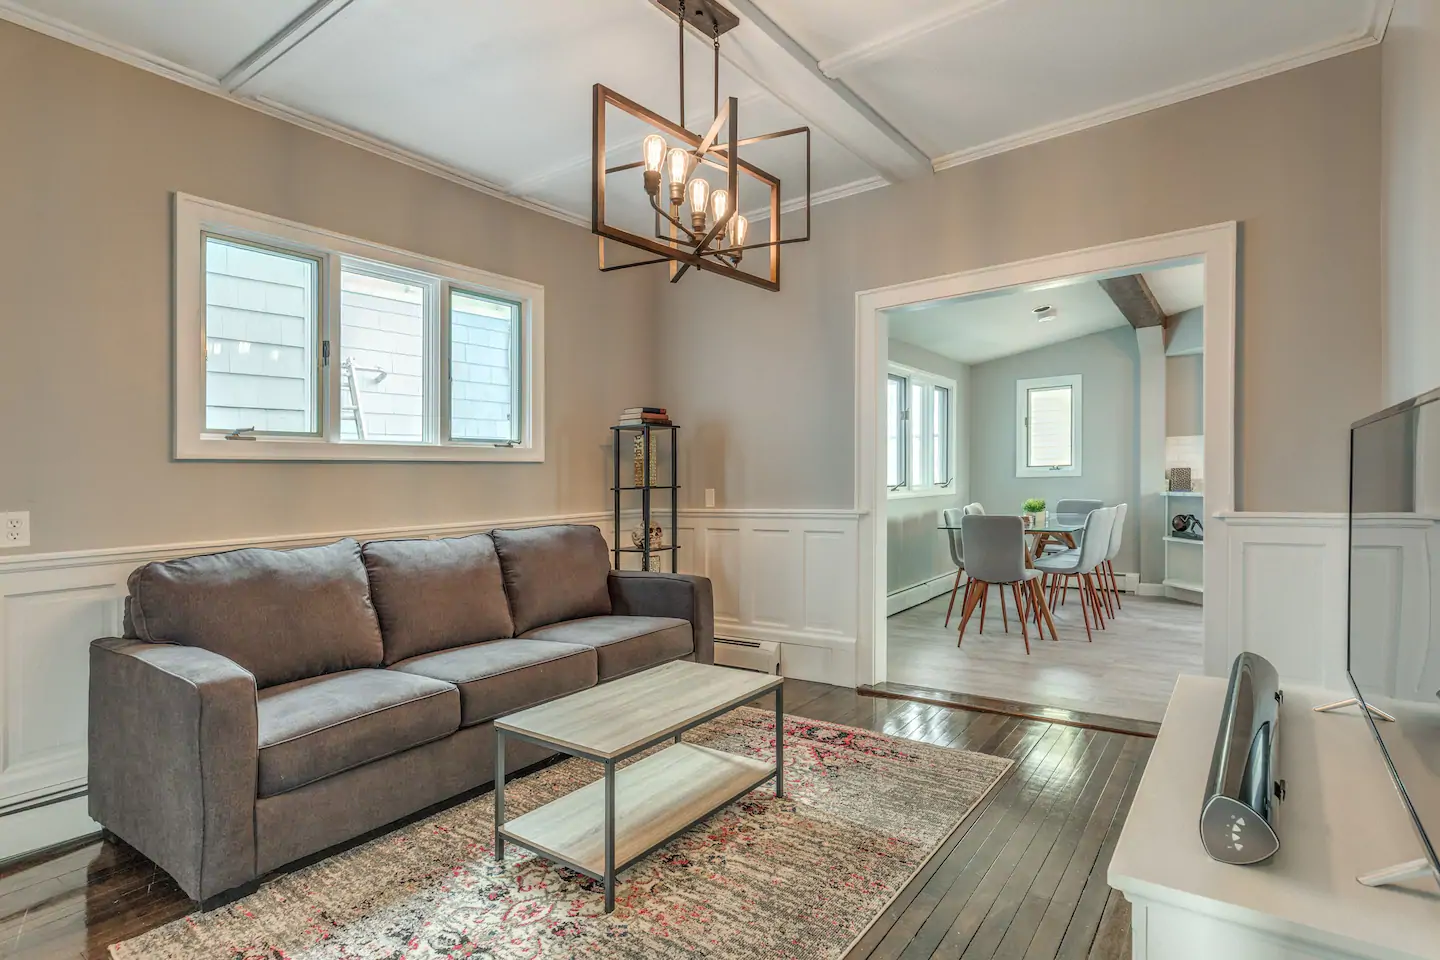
(174, 746)
(678, 595)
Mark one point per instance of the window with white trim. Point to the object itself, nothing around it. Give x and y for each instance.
(1047, 427)
(297, 343)
(920, 432)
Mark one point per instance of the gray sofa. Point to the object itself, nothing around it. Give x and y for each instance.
(265, 705)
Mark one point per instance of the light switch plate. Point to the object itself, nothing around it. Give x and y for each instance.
(14, 530)
(709, 496)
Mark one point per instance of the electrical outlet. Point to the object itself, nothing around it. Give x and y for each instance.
(16, 530)
(709, 496)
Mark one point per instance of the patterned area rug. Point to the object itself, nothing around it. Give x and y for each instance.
(797, 878)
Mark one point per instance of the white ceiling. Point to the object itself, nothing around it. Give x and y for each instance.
(1001, 323)
(1177, 289)
(496, 93)
(993, 325)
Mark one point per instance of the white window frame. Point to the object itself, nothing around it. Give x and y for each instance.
(195, 219)
(1022, 429)
(909, 488)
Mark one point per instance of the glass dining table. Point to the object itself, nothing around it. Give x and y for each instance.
(1061, 530)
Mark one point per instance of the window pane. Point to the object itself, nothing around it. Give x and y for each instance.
(916, 412)
(382, 357)
(940, 434)
(895, 457)
(261, 315)
(484, 368)
(1050, 432)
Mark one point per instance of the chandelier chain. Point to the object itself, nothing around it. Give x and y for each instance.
(682, 63)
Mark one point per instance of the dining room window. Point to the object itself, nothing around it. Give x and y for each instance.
(1047, 427)
(919, 432)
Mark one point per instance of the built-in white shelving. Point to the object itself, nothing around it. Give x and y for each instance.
(1184, 565)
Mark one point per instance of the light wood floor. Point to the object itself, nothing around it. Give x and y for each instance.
(1022, 877)
(1128, 671)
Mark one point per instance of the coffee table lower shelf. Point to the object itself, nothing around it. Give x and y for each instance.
(655, 799)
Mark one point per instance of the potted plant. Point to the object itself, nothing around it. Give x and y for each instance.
(1034, 512)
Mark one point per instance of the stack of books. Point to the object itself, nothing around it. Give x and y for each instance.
(642, 416)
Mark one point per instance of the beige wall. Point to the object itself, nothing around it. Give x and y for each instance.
(766, 380)
(92, 151)
(1411, 149)
(1185, 395)
(919, 552)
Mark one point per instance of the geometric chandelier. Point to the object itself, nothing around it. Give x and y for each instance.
(697, 224)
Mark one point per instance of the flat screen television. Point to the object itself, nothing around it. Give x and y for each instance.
(1394, 609)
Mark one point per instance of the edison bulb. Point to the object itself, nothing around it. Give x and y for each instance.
(653, 149)
(739, 228)
(699, 191)
(719, 204)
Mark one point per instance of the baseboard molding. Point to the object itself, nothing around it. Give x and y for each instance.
(922, 592)
(40, 827)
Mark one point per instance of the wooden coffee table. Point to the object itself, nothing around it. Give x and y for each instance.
(606, 826)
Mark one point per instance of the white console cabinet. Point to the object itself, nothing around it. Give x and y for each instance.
(1341, 817)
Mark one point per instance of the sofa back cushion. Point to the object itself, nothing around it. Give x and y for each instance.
(436, 594)
(554, 573)
(281, 614)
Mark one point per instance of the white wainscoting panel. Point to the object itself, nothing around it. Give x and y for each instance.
(1286, 593)
(784, 575)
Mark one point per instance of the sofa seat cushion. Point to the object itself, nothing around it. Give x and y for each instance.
(281, 614)
(436, 594)
(554, 573)
(314, 728)
(624, 644)
(502, 676)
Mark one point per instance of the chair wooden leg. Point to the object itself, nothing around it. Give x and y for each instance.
(1003, 616)
(972, 598)
(1085, 612)
(1033, 587)
(953, 590)
(1042, 609)
(1095, 601)
(1104, 592)
(1114, 583)
(1024, 631)
(984, 603)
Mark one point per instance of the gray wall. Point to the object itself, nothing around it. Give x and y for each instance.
(92, 152)
(1109, 364)
(917, 550)
(765, 381)
(1411, 149)
(1185, 395)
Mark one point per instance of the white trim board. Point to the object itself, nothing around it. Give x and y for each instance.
(922, 592)
(1215, 246)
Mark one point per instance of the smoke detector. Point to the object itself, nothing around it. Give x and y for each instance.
(1045, 313)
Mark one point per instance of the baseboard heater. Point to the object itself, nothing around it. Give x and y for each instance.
(762, 656)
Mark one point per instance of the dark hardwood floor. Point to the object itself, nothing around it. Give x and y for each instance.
(1022, 877)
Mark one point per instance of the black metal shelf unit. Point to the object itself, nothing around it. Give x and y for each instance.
(624, 453)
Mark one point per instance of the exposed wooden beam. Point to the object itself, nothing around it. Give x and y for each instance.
(1132, 297)
(271, 51)
(760, 49)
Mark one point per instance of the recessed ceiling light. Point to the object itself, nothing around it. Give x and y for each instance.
(1045, 313)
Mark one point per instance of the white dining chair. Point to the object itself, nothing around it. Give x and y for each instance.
(995, 555)
(1116, 532)
(1082, 564)
(952, 517)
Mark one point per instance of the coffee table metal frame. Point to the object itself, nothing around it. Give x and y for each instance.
(610, 763)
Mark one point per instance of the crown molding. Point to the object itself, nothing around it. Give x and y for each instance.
(1369, 37)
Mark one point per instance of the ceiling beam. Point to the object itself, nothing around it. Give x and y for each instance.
(760, 49)
(1132, 297)
(271, 51)
(905, 33)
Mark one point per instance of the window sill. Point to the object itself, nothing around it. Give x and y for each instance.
(933, 494)
(218, 448)
(1042, 474)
